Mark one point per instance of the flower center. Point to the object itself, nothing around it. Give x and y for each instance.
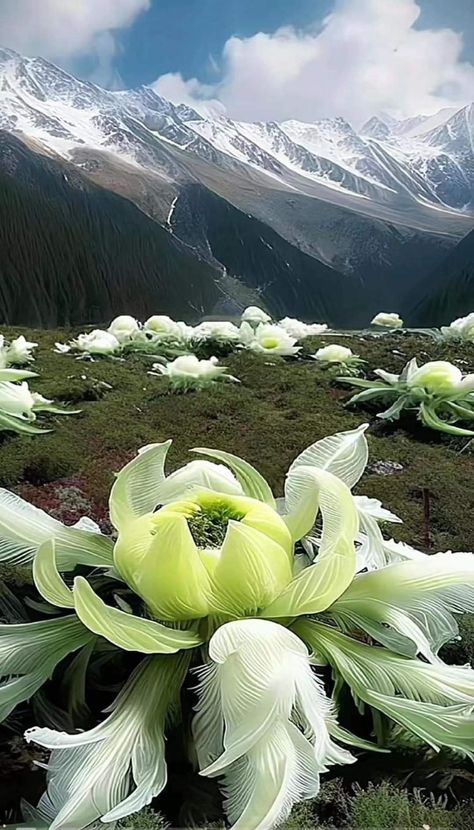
(208, 526)
(269, 342)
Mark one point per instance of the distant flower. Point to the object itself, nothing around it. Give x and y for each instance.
(124, 328)
(387, 320)
(269, 339)
(97, 342)
(18, 405)
(255, 315)
(460, 329)
(219, 331)
(188, 372)
(437, 392)
(333, 354)
(17, 353)
(300, 330)
(164, 328)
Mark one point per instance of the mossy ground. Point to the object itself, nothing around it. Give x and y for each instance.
(276, 411)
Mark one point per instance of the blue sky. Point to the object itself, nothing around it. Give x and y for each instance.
(262, 59)
(184, 35)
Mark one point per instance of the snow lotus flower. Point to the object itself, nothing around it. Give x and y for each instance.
(205, 566)
(19, 352)
(188, 372)
(333, 354)
(164, 328)
(299, 330)
(19, 406)
(437, 391)
(269, 339)
(460, 329)
(124, 328)
(253, 315)
(218, 331)
(388, 320)
(95, 342)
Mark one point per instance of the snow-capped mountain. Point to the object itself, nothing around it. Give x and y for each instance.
(425, 162)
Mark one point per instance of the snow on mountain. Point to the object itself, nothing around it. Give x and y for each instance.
(428, 160)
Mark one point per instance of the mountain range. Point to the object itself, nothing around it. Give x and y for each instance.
(311, 219)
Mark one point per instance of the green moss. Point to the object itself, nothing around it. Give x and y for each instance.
(274, 413)
(385, 807)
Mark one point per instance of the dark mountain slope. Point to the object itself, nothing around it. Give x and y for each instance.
(72, 252)
(288, 280)
(449, 291)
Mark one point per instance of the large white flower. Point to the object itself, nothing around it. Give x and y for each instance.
(97, 342)
(255, 315)
(163, 327)
(436, 376)
(460, 329)
(124, 328)
(268, 339)
(389, 320)
(188, 372)
(221, 331)
(300, 330)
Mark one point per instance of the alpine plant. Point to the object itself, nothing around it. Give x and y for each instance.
(437, 391)
(338, 356)
(209, 575)
(19, 406)
(188, 373)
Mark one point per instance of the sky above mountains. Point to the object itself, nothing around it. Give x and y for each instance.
(261, 59)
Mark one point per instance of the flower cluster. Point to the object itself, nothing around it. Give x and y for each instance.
(207, 568)
(16, 353)
(461, 329)
(437, 391)
(160, 335)
(19, 406)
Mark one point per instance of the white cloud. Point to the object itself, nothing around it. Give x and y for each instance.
(66, 29)
(191, 92)
(366, 57)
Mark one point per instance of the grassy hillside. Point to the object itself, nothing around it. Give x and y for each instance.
(274, 413)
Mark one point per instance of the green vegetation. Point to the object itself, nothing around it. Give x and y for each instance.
(288, 405)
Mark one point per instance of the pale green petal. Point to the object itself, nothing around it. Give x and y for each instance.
(47, 578)
(198, 475)
(409, 606)
(278, 772)
(90, 774)
(254, 485)
(32, 651)
(344, 455)
(135, 489)
(157, 557)
(260, 673)
(23, 528)
(251, 571)
(377, 676)
(318, 586)
(124, 630)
